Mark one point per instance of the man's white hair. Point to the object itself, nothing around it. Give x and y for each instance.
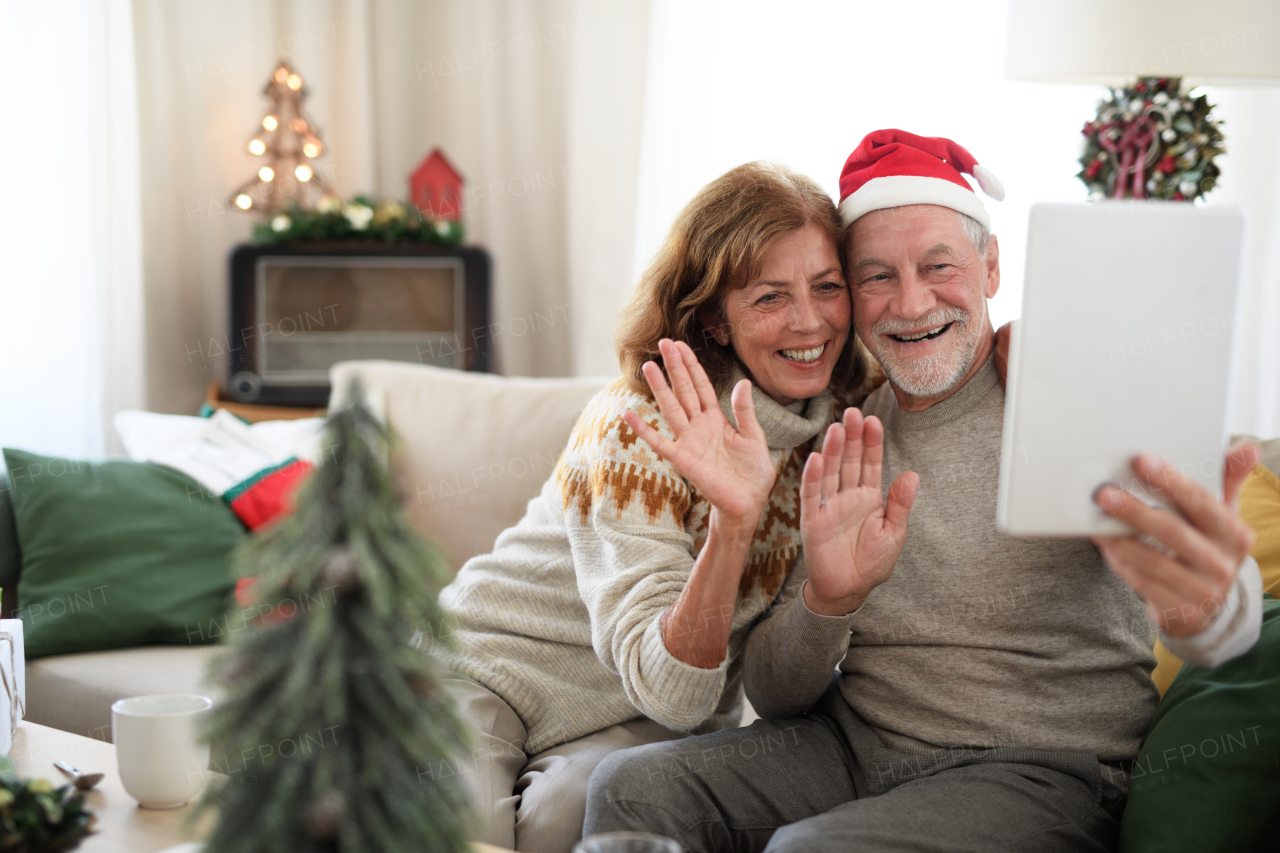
(977, 233)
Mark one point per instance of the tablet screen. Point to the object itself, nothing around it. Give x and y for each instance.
(1124, 347)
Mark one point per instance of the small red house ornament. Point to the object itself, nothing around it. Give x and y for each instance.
(435, 188)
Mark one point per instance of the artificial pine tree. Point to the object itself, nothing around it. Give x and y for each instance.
(289, 142)
(336, 726)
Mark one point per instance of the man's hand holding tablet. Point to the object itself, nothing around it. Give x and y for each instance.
(1185, 577)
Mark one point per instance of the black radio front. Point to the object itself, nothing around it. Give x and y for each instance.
(296, 310)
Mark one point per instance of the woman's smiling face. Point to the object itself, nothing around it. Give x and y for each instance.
(788, 324)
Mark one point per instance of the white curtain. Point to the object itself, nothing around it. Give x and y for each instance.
(737, 80)
(71, 310)
(537, 102)
(1251, 179)
(581, 128)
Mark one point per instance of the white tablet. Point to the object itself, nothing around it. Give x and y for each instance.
(1124, 347)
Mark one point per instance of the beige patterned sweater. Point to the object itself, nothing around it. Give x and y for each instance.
(562, 619)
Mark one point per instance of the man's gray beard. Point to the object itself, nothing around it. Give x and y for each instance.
(931, 375)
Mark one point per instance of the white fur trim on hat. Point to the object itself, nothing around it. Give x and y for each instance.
(899, 190)
(988, 181)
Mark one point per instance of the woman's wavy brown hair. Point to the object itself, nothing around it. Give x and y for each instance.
(716, 244)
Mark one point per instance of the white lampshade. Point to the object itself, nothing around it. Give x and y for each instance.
(1224, 42)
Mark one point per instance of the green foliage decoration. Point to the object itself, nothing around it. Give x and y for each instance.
(35, 817)
(386, 221)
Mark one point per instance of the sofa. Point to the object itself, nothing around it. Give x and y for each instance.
(474, 449)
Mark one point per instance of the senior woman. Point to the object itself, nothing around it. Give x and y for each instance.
(613, 613)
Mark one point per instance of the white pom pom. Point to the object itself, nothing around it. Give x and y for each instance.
(989, 182)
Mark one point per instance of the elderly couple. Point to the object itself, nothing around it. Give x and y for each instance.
(733, 514)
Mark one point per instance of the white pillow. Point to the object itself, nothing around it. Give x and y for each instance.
(148, 434)
(300, 437)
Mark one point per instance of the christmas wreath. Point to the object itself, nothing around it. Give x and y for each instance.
(1151, 141)
(359, 219)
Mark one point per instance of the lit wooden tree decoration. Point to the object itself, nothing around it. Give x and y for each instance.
(288, 142)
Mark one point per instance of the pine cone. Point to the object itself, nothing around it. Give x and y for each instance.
(236, 671)
(325, 815)
(341, 570)
(423, 686)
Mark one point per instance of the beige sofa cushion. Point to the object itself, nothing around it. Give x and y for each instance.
(478, 447)
(74, 693)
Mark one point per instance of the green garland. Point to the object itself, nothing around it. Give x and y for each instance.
(386, 221)
(1184, 140)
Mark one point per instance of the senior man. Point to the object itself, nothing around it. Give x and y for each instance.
(993, 691)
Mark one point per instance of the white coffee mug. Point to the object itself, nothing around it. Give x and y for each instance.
(162, 762)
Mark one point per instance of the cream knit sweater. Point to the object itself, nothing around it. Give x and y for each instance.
(562, 619)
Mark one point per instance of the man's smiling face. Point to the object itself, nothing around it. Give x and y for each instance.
(920, 294)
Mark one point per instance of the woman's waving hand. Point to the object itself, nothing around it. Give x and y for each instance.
(729, 465)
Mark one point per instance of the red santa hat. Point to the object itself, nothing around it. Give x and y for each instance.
(890, 168)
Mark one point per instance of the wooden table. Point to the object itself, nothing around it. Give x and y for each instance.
(122, 827)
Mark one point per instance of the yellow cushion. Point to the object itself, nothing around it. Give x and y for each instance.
(1260, 508)
(1167, 666)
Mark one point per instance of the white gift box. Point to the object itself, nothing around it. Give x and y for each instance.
(13, 674)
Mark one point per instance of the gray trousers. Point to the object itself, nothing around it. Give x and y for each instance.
(824, 781)
(531, 803)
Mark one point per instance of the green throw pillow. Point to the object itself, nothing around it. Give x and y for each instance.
(10, 554)
(117, 554)
(1208, 777)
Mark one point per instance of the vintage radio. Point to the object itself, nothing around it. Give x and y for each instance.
(297, 310)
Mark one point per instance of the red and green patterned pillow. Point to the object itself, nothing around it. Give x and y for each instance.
(253, 476)
(268, 494)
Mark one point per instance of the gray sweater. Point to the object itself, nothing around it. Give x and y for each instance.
(978, 639)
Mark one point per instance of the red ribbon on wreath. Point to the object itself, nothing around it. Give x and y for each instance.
(1129, 145)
